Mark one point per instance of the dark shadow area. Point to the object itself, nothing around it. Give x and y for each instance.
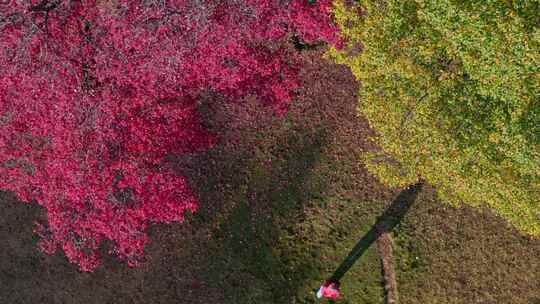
(391, 217)
(301, 45)
(271, 201)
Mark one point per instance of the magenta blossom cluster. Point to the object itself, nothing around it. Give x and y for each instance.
(95, 94)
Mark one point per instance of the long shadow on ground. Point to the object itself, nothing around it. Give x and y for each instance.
(385, 223)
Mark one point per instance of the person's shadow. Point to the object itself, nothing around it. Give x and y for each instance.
(391, 217)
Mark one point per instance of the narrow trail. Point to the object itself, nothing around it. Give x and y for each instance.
(385, 250)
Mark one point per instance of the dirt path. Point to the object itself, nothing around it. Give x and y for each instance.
(385, 250)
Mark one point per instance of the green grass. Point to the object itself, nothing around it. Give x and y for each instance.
(289, 220)
(289, 230)
(286, 263)
(443, 254)
(465, 256)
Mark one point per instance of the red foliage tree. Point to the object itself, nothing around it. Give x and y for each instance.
(94, 95)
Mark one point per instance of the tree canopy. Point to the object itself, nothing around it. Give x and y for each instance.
(95, 94)
(452, 89)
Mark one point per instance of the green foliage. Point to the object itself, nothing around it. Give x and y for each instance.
(452, 89)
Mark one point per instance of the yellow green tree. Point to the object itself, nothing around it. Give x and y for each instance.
(452, 90)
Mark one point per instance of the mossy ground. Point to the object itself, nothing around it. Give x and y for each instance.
(283, 201)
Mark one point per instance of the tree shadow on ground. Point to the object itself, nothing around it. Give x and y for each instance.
(254, 184)
(252, 195)
(273, 203)
(385, 223)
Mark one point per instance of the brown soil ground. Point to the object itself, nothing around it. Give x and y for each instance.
(385, 250)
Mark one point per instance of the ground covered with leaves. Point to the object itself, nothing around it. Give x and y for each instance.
(283, 199)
